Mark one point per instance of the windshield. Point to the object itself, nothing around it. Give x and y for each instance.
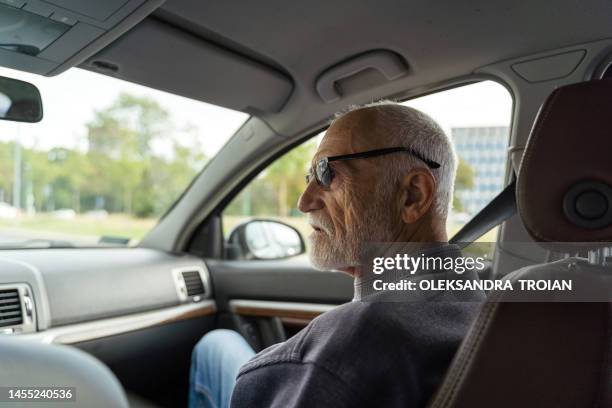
(107, 160)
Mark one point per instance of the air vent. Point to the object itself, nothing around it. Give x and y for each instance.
(10, 308)
(193, 283)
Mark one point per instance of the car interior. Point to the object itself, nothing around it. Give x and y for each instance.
(119, 322)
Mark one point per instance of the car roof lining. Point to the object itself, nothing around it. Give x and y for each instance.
(294, 45)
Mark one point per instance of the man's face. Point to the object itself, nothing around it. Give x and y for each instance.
(360, 205)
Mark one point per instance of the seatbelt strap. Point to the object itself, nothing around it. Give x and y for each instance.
(502, 207)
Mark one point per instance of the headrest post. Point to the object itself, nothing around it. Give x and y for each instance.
(600, 256)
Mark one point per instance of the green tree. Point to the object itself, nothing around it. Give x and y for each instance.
(168, 177)
(6, 171)
(135, 162)
(463, 181)
(128, 126)
(276, 190)
(120, 142)
(287, 176)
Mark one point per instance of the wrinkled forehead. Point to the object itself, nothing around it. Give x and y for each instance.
(357, 131)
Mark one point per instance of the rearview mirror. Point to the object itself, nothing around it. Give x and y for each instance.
(19, 101)
(265, 239)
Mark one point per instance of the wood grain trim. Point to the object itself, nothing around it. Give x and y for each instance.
(291, 310)
(96, 329)
(207, 309)
(294, 322)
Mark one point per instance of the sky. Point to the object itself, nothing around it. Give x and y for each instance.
(484, 103)
(70, 99)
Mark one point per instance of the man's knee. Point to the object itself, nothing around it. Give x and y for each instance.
(215, 342)
(217, 338)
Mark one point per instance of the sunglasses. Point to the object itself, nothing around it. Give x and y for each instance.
(324, 174)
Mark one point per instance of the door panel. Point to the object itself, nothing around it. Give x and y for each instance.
(285, 281)
(269, 301)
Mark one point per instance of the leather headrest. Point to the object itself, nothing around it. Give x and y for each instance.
(564, 186)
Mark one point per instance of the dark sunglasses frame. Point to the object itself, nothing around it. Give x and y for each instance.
(324, 174)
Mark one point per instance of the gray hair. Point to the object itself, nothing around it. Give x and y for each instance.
(408, 127)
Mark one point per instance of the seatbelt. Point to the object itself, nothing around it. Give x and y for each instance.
(502, 207)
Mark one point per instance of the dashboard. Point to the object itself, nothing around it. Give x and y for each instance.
(74, 295)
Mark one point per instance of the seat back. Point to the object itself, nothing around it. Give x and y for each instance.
(26, 363)
(551, 353)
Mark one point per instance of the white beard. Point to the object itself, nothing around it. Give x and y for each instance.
(374, 221)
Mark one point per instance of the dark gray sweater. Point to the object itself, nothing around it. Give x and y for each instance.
(368, 353)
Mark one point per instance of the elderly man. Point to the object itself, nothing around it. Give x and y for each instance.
(382, 173)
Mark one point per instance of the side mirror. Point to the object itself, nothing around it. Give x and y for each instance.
(19, 101)
(265, 239)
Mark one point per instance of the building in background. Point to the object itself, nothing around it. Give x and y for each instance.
(484, 149)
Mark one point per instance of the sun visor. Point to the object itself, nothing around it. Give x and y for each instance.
(161, 56)
(48, 37)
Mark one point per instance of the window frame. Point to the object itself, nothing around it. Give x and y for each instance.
(400, 97)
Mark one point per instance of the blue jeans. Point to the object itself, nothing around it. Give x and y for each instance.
(215, 363)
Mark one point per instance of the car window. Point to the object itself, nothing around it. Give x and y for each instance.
(476, 117)
(107, 160)
(274, 193)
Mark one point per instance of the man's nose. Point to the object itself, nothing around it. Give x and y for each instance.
(310, 200)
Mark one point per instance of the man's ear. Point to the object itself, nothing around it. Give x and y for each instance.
(419, 189)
